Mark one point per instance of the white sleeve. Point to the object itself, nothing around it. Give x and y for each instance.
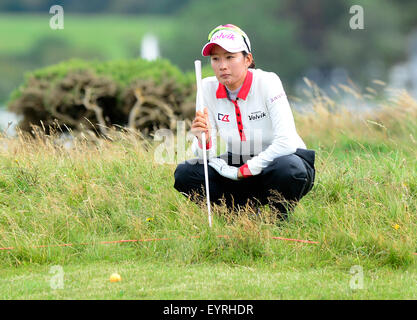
(285, 137)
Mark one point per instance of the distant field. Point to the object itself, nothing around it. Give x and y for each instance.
(112, 34)
(27, 42)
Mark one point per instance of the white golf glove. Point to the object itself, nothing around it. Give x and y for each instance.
(223, 168)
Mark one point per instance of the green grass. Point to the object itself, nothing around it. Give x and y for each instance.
(157, 280)
(110, 34)
(362, 211)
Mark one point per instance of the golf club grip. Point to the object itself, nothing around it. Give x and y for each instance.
(199, 96)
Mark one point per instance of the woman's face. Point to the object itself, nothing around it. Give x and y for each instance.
(230, 68)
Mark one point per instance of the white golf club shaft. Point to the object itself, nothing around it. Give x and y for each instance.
(199, 106)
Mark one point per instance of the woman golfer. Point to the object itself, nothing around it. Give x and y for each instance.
(266, 161)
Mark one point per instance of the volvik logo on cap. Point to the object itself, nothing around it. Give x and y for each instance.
(222, 35)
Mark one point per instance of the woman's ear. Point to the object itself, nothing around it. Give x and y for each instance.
(248, 60)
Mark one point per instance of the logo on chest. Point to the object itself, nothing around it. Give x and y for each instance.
(223, 117)
(257, 115)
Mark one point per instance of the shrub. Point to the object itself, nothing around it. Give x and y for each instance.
(79, 94)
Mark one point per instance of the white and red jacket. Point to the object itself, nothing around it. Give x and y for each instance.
(259, 122)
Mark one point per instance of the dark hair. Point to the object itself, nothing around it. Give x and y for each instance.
(253, 60)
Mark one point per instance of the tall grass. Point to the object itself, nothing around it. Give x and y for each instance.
(362, 209)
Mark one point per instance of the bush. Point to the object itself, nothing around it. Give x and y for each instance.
(78, 94)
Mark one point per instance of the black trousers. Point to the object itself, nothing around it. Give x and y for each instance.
(281, 184)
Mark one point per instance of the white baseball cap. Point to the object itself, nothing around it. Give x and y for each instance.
(230, 37)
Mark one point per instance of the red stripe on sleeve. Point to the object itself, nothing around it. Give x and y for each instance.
(244, 170)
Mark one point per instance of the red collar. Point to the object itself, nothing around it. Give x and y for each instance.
(243, 92)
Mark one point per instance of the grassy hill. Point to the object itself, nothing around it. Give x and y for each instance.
(110, 34)
(29, 43)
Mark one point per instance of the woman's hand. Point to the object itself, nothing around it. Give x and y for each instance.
(201, 124)
(221, 166)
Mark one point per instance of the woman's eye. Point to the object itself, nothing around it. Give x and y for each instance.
(230, 57)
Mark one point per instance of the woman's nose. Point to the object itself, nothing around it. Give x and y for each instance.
(223, 65)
